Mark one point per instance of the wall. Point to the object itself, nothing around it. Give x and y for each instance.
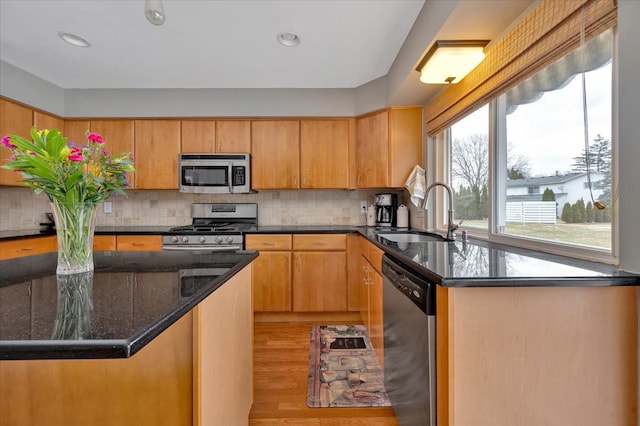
(27, 88)
(20, 208)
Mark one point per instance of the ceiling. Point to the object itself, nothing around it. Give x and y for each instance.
(231, 44)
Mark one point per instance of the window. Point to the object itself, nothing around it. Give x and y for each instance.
(469, 169)
(546, 179)
(545, 146)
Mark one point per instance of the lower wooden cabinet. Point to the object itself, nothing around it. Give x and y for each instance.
(371, 294)
(139, 243)
(299, 272)
(199, 371)
(12, 249)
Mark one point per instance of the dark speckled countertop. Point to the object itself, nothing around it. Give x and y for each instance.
(135, 296)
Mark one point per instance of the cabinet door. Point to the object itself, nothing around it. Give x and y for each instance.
(364, 274)
(324, 151)
(197, 135)
(319, 281)
(275, 148)
(14, 120)
(272, 282)
(375, 315)
(76, 130)
(372, 146)
(405, 143)
(27, 247)
(43, 121)
(118, 138)
(157, 145)
(233, 136)
(139, 243)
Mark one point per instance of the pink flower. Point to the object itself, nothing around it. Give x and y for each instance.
(95, 138)
(75, 155)
(6, 141)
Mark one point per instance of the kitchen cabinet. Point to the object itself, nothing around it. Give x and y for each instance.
(104, 243)
(388, 146)
(118, 137)
(21, 247)
(324, 153)
(319, 273)
(271, 272)
(197, 135)
(233, 136)
(299, 272)
(76, 130)
(196, 372)
(15, 119)
(42, 121)
(371, 294)
(157, 145)
(138, 242)
(275, 149)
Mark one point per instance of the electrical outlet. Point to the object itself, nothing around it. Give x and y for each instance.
(107, 207)
(363, 207)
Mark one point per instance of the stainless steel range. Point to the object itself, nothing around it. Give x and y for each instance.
(215, 227)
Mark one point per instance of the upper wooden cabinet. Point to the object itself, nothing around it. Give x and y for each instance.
(275, 149)
(76, 130)
(388, 145)
(197, 135)
(233, 136)
(324, 153)
(15, 119)
(157, 145)
(42, 121)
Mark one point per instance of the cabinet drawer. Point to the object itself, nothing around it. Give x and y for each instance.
(27, 247)
(104, 243)
(268, 242)
(139, 242)
(320, 242)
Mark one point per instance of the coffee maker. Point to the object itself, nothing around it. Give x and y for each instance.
(386, 206)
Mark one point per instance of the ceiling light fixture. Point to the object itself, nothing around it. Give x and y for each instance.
(288, 39)
(447, 62)
(154, 12)
(73, 39)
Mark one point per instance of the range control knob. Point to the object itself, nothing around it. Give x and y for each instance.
(218, 239)
(174, 239)
(185, 239)
(229, 239)
(202, 239)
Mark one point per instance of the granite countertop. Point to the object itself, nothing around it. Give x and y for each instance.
(479, 263)
(135, 295)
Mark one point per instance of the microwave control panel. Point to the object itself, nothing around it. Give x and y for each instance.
(239, 175)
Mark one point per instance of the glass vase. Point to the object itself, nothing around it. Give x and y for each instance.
(74, 313)
(75, 225)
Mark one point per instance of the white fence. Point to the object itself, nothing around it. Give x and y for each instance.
(531, 211)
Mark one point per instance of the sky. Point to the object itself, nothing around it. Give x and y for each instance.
(548, 135)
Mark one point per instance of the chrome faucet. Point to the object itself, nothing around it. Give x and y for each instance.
(451, 227)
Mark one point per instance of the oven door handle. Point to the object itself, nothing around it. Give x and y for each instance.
(209, 248)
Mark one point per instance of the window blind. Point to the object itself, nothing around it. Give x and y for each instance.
(549, 32)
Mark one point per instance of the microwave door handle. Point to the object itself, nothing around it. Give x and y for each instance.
(230, 177)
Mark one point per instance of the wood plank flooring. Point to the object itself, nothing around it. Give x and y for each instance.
(281, 365)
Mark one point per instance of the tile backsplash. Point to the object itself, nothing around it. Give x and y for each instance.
(20, 208)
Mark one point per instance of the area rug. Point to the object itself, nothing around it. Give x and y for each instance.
(343, 369)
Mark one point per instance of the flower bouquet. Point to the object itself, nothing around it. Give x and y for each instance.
(76, 178)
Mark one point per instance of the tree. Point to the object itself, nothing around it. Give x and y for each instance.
(548, 195)
(518, 167)
(567, 213)
(590, 213)
(470, 160)
(579, 211)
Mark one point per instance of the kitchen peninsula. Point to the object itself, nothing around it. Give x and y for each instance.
(155, 341)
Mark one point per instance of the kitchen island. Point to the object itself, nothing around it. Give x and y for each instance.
(166, 340)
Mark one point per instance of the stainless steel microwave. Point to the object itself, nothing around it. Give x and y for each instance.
(214, 173)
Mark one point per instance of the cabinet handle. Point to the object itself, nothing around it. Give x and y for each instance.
(138, 244)
(286, 262)
(295, 181)
(317, 243)
(219, 146)
(304, 180)
(24, 249)
(358, 180)
(298, 263)
(268, 243)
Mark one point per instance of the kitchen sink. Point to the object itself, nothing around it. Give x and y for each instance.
(410, 237)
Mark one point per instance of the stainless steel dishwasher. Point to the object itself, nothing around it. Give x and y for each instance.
(409, 344)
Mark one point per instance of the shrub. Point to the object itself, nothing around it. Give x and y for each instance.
(567, 213)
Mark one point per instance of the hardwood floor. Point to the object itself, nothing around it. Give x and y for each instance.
(281, 365)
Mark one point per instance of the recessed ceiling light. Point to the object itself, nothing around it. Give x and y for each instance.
(288, 39)
(74, 39)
